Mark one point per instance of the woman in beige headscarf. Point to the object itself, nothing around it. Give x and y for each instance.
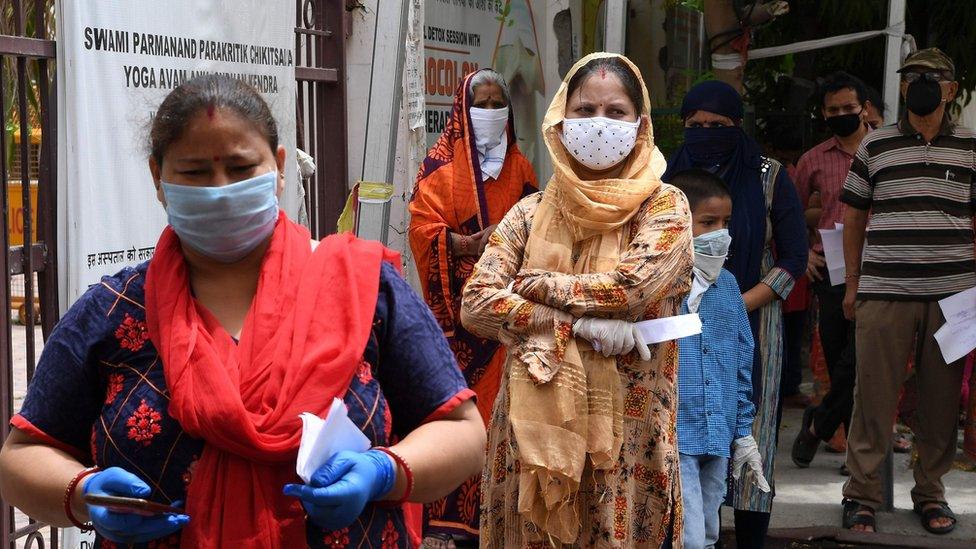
(582, 448)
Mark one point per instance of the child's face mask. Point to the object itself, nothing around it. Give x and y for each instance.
(710, 251)
(715, 243)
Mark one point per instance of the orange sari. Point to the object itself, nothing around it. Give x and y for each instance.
(451, 196)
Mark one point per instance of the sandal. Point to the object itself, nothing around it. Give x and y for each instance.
(932, 513)
(901, 444)
(854, 515)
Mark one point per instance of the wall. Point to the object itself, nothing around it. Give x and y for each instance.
(359, 57)
(645, 39)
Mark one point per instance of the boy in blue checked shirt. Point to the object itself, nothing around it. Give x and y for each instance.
(715, 409)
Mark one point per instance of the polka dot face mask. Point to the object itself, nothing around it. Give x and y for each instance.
(599, 143)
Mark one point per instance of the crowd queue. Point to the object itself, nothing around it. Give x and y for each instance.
(517, 403)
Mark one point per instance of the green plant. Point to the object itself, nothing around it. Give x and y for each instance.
(9, 109)
(503, 18)
(691, 4)
(940, 24)
(769, 83)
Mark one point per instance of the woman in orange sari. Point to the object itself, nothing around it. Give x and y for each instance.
(470, 179)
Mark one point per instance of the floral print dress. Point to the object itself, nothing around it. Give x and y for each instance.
(638, 503)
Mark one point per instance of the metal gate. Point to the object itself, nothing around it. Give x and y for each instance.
(321, 103)
(28, 144)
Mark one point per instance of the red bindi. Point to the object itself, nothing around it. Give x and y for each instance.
(210, 111)
(216, 159)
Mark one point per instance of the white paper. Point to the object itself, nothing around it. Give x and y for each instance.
(659, 330)
(956, 340)
(833, 246)
(960, 307)
(323, 438)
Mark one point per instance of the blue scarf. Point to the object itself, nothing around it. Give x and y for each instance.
(737, 159)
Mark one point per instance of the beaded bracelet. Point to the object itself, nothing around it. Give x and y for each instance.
(69, 492)
(407, 472)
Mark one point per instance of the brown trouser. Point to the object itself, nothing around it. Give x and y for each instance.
(886, 333)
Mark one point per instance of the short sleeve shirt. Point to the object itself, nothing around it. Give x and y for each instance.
(99, 393)
(919, 244)
(823, 169)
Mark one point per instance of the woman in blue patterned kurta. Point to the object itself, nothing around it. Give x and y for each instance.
(104, 393)
(99, 395)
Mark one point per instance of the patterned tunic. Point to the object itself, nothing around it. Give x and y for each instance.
(638, 503)
(99, 393)
(783, 261)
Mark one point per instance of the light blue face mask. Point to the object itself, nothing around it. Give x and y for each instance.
(715, 243)
(224, 223)
(710, 251)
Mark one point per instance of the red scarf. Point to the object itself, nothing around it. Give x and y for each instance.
(302, 341)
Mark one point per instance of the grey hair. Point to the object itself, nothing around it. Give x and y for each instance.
(489, 76)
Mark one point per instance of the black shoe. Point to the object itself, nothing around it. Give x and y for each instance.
(805, 445)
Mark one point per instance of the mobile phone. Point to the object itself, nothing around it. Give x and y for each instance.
(134, 506)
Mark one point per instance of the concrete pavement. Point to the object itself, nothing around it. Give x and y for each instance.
(811, 497)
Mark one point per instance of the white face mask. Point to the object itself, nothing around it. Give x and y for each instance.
(715, 243)
(710, 252)
(599, 143)
(488, 126)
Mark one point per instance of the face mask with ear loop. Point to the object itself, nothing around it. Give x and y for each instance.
(844, 125)
(224, 223)
(711, 250)
(599, 143)
(923, 96)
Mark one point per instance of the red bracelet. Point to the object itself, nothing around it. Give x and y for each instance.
(406, 472)
(69, 492)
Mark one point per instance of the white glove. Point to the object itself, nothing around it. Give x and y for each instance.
(746, 453)
(612, 337)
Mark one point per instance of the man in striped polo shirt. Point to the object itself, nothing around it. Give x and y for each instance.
(910, 191)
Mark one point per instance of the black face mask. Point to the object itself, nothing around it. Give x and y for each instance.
(923, 96)
(844, 124)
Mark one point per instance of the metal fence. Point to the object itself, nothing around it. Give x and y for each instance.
(26, 82)
(321, 103)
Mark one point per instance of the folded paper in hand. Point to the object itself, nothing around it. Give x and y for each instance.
(323, 438)
(659, 330)
(833, 247)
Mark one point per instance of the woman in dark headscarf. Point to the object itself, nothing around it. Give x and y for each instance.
(768, 253)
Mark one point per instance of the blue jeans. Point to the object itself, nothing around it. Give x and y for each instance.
(702, 492)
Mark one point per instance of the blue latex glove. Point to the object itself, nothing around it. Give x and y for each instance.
(339, 490)
(127, 527)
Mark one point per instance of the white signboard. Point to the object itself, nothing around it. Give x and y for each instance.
(462, 36)
(117, 61)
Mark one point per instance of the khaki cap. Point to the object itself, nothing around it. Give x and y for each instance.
(930, 58)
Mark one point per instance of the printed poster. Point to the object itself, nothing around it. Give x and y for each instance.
(117, 61)
(462, 36)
